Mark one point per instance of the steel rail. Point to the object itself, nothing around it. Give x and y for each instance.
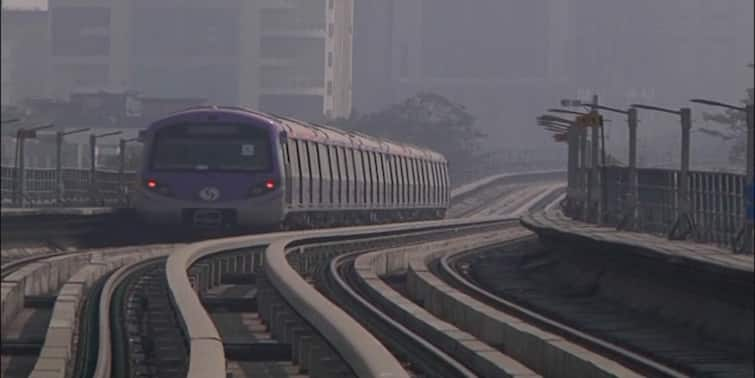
(207, 357)
(448, 269)
(105, 327)
(427, 356)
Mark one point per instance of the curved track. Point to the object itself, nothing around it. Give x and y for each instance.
(421, 358)
(650, 347)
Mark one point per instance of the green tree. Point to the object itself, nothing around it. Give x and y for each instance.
(735, 131)
(427, 119)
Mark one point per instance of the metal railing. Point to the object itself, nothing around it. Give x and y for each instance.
(41, 187)
(714, 212)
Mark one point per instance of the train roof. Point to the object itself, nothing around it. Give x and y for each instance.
(326, 134)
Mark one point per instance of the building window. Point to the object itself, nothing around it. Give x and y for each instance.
(331, 30)
(330, 4)
(330, 59)
(330, 88)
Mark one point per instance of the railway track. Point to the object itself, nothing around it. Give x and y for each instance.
(513, 278)
(452, 298)
(44, 296)
(286, 326)
(138, 285)
(418, 356)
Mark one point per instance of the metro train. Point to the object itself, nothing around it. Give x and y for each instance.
(228, 167)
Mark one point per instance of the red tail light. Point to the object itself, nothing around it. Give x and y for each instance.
(270, 184)
(151, 184)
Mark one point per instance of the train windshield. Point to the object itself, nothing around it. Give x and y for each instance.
(216, 147)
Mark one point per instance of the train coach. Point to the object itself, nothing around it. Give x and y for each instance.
(228, 167)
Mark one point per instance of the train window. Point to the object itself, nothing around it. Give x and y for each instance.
(439, 169)
(412, 181)
(376, 181)
(368, 178)
(309, 192)
(395, 160)
(433, 181)
(376, 178)
(415, 181)
(399, 179)
(434, 174)
(445, 182)
(317, 172)
(359, 169)
(286, 168)
(396, 185)
(405, 177)
(383, 178)
(429, 185)
(422, 181)
(409, 182)
(348, 173)
(219, 147)
(335, 174)
(326, 192)
(294, 186)
(345, 178)
(373, 176)
(429, 175)
(301, 150)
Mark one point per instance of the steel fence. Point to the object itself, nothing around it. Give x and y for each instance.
(41, 187)
(714, 208)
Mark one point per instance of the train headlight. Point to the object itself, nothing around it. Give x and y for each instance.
(259, 189)
(154, 186)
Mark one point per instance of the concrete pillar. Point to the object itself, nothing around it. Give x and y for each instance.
(595, 183)
(59, 168)
(748, 221)
(92, 168)
(572, 165)
(633, 184)
(686, 117)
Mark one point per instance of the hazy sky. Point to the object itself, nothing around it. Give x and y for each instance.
(25, 4)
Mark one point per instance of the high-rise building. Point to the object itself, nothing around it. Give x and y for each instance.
(286, 56)
(25, 45)
(493, 56)
(507, 60)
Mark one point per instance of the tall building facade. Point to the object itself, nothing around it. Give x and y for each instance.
(493, 56)
(25, 45)
(286, 56)
(507, 60)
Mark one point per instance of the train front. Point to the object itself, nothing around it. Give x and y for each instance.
(211, 169)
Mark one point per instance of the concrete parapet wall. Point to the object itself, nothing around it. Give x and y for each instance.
(58, 352)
